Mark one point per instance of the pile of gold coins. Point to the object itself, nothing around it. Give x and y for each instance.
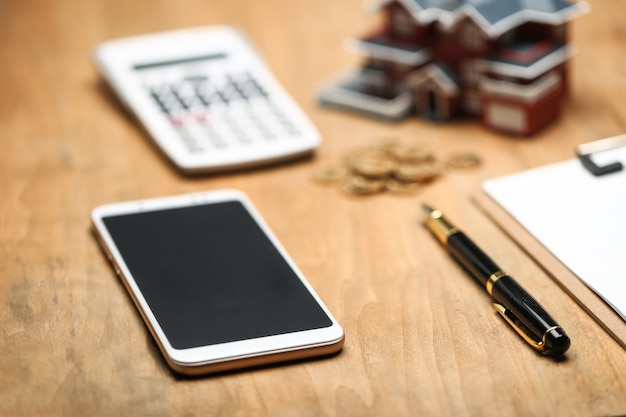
(391, 167)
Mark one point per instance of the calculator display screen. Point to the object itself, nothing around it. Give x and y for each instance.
(187, 60)
(211, 275)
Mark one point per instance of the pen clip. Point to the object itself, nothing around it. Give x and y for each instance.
(539, 345)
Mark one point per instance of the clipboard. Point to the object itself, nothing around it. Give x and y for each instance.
(571, 218)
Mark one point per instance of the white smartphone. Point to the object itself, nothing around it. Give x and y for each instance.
(212, 282)
(206, 98)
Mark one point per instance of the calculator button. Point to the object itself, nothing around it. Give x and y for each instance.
(221, 111)
(167, 101)
(249, 87)
(189, 140)
(181, 101)
(284, 121)
(207, 94)
(213, 137)
(230, 92)
(186, 95)
(159, 102)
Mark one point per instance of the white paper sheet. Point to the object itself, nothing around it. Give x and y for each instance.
(578, 217)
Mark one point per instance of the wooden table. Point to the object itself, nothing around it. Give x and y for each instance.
(421, 337)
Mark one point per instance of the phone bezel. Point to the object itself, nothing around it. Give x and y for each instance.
(225, 355)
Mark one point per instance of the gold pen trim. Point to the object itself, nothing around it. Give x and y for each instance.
(491, 281)
(539, 345)
(439, 226)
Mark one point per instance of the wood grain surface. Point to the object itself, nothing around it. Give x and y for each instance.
(421, 337)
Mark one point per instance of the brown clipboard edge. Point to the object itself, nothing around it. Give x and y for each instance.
(595, 306)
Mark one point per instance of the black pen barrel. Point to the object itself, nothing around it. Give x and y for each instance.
(507, 292)
(471, 257)
(518, 307)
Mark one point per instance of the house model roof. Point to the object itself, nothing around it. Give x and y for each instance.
(494, 16)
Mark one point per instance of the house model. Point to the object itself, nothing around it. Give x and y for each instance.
(504, 61)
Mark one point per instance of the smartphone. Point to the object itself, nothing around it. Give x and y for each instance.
(213, 284)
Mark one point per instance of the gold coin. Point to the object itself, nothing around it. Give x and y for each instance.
(400, 187)
(365, 153)
(464, 160)
(362, 186)
(413, 154)
(370, 163)
(375, 168)
(386, 146)
(391, 166)
(418, 173)
(330, 173)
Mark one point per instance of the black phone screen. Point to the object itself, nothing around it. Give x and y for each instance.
(210, 275)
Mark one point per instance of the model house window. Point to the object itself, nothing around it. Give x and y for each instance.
(472, 37)
(472, 71)
(401, 22)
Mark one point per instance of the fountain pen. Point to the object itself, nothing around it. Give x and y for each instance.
(529, 319)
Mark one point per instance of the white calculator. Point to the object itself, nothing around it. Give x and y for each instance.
(206, 98)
